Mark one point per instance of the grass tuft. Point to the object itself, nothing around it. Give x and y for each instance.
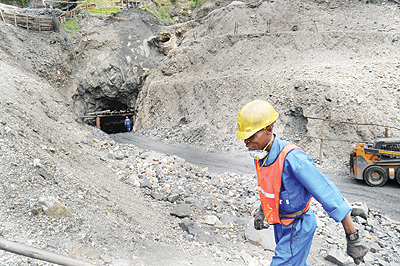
(104, 10)
(71, 25)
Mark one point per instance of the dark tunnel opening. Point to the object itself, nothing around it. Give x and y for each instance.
(111, 104)
(114, 124)
(111, 116)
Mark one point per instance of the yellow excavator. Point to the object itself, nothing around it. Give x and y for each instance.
(376, 162)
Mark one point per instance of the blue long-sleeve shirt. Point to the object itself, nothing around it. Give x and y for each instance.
(301, 179)
(128, 122)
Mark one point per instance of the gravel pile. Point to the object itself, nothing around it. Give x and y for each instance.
(214, 208)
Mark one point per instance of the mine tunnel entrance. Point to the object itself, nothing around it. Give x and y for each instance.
(108, 113)
(112, 122)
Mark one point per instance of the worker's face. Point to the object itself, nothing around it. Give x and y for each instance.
(260, 139)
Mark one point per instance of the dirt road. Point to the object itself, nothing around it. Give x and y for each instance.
(383, 198)
(216, 162)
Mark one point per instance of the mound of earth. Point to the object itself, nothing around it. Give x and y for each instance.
(331, 60)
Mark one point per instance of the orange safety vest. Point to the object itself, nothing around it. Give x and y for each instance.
(269, 179)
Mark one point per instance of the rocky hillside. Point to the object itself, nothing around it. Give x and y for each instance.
(334, 60)
(68, 188)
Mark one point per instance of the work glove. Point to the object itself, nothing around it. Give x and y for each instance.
(355, 247)
(259, 220)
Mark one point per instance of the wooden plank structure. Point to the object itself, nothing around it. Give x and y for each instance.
(108, 113)
(28, 22)
(111, 113)
(40, 23)
(68, 15)
(127, 3)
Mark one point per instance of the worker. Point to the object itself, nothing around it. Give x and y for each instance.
(287, 180)
(128, 124)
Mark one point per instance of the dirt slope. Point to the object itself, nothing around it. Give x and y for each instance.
(45, 153)
(310, 59)
(335, 60)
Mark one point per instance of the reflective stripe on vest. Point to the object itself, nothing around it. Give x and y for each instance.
(269, 179)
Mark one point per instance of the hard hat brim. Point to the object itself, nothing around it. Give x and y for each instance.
(246, 135)
(253, 117)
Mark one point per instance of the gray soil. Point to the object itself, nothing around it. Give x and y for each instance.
(336, 60)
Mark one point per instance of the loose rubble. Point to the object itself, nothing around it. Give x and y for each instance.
(229, 198)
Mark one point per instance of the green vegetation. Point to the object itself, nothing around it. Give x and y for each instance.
(103, 6)
(165, 6)
(71, 25)
(195, 3)
(160, 14)
(19, 3)
(104, 10)
(100, 4)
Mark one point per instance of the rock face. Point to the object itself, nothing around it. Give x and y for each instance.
(100, 67)
(113, 58)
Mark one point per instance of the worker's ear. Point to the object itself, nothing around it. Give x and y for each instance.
(270, 128)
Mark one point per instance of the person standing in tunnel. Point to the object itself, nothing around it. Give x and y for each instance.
(128, 124)
(287, 179)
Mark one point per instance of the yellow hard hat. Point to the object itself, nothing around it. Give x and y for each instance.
(253, 117)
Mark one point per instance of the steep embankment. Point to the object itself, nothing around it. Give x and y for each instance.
(63, 184)
(113, 59)
(100, 64)
(331, 60)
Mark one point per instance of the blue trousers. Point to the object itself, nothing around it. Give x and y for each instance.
(293, 245)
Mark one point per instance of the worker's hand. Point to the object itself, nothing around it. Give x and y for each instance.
(259, 218)
(355, 247)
